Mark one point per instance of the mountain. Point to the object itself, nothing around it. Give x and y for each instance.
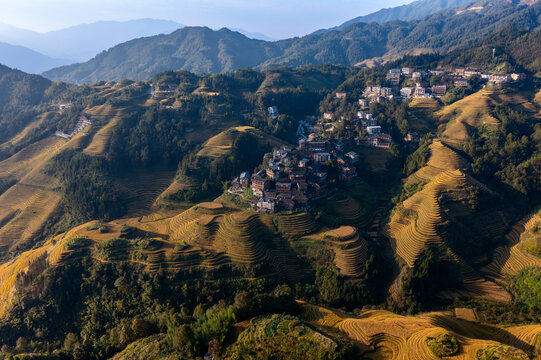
(198, 49)
(82, 42)
(203, 50)
(20, 89)
(27, 60)
(126, 241)
(252, 35)
(416, 10)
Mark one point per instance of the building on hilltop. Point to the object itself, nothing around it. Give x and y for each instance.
(406, 92)
(341, 95)
(266, 205)
(364, 104)
(437, 72)
(328, 116)
(373, 130)
(408, 71)
(462, 83)
(322, 157)
(518, 76)
(273, 112)
(244, 179)
(393, 79)
(259, 184)
(374, 92)
(347, 173)
(419, 92)
(439, 90)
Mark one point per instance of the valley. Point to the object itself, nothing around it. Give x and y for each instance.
(315, 211)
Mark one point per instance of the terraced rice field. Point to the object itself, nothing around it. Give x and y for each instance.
(512, 258)
(27, 130)
(410, 234)
(474, 111)
(381, 333)
(221, 144)
(143, 188)
(9, 272)
(351, 251)
(414, 227)
(242, 236)
(423, 110)
(31, 157)
(296, 224)
(348, 211)
(29, 218)
(100, 141)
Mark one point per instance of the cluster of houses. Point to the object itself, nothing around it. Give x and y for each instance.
(365, 122)
(460, 77)
(81, 125)
(165, 89)
(292, 178)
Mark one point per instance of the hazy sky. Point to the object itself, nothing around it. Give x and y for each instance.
(275, 18)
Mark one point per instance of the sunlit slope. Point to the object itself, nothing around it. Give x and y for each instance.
(29, 158)
(519, 253)
(111, 116)
(474, 111)
(384, 335)
(350, 250)
(222, 143)
(31, 198)
(207, 236)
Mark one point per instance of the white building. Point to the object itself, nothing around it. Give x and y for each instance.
(273, 112)
(373, 130)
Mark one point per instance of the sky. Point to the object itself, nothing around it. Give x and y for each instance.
(274, 18)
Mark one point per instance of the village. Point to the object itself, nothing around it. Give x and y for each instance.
(292, 178)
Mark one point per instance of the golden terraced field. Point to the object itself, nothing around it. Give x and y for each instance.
(384, 335)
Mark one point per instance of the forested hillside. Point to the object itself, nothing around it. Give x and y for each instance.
(203, 50)
(126, 231)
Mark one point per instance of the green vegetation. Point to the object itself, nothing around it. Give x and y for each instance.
(419, 158)
(439, 33)
(87, 192)
(510, 154)
(443, 345)
(77, 243)
(434, 270)
(531, 240)
(500, 352)
(526, 288)
(285, 337)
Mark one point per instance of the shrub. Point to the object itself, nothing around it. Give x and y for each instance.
(77, 243)
(495, 352)
(442, 345)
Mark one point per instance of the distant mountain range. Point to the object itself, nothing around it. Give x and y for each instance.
(83, 42)
(416, 10)
(203, 50)
(29, 61)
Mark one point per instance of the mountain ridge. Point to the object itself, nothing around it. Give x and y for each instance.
(89, 39)
(411, 11)
(201, 50)
(27, 60)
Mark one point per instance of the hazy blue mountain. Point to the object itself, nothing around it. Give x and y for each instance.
(254, 35)
(29, 61)
(83, 42)
(203, 50)
(416, 10)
